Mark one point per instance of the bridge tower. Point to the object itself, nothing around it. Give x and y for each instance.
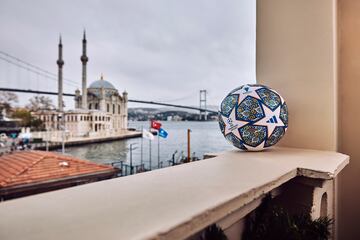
(60, 62)
(203, 105)
(84, 59)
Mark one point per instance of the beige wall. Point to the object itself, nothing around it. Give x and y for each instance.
(296, 55)
(349, 117)
(310, 52)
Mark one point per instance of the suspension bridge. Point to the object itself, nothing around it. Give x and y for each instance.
(30, 68)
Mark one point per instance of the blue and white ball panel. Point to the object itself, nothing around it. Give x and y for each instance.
(253, 117)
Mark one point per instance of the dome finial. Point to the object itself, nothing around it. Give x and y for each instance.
(102, 76)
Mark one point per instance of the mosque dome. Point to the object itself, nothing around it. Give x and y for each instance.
(102, 84)
(96, 86)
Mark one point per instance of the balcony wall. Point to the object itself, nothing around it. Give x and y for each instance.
(309, 51)
(297, 54)
(349, 116)
(177, 202)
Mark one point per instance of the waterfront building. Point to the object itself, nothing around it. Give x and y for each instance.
(99, 111)
(29, 172)
(7, 125)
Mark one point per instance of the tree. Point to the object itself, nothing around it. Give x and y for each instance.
(7, 99)
(40, 103)
(27, 120)
(24, 115)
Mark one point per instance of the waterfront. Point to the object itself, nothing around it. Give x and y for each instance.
(205, 137)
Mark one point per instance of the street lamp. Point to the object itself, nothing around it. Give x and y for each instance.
(173, 157)
(61, 120)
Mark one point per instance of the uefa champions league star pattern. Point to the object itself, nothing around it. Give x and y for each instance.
(253, 117)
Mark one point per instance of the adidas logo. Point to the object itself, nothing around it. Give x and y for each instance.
(272, 120)
(246, 89)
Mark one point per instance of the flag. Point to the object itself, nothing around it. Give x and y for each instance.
(147, 135)
(162, 133)
(155, 125)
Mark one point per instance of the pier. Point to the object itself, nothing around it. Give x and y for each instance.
(78, 141)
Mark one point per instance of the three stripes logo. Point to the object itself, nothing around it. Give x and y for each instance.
(272, 120)
(246, 89)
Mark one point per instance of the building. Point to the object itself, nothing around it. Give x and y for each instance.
(7, 125)
(99, 111)
(30, 172)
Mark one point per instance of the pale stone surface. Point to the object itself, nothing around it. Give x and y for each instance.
(296, 55)
(170, 203)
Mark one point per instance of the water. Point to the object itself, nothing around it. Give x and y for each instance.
(205, 138)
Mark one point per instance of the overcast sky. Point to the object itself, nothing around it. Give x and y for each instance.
(163, 50)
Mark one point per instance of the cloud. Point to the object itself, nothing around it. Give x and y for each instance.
(162, 49)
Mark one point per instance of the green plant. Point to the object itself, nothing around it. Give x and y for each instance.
(272, 222)
(213, 232)
(27, 120)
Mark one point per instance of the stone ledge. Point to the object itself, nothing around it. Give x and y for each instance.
(169, 203)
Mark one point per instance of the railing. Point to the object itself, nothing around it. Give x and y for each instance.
(178, 202)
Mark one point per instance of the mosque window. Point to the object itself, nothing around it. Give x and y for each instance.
(108, 107)
(90, 106)
(96, 106)
(119, 109)
(113, 108)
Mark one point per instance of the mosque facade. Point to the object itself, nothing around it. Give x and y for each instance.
(100, 110)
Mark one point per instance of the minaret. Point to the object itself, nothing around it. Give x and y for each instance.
(125, 111)
(84, 59)
(60, 62)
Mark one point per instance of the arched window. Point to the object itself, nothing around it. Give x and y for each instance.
(119, 109)
(90, 106)
(113, 108)
(96, 106)
(108, 107)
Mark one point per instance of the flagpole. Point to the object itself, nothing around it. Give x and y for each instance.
(188, 145)
(142, 133)
(158, 150)
(150, 153)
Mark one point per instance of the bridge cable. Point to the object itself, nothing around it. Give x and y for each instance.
(34, 66)
(34, 71)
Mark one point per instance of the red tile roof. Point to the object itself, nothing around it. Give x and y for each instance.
(29, 167)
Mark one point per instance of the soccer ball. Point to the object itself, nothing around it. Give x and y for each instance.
(253, 117)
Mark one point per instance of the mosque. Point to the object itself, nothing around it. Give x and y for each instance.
(99, 111)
